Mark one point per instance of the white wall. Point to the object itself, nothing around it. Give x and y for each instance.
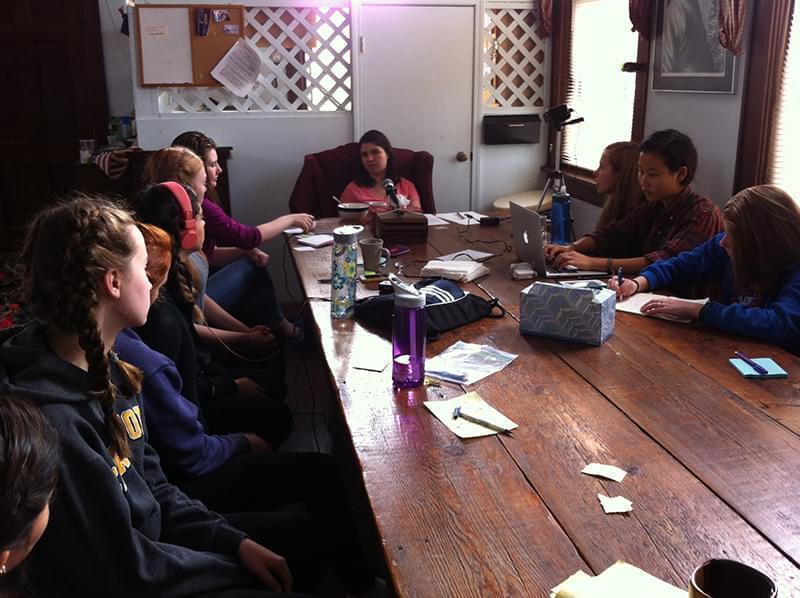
(507, 169)
(712, 121)
(116, 55)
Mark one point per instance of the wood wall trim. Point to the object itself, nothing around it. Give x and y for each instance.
(768, 41)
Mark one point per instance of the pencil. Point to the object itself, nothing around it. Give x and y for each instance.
(481, 422)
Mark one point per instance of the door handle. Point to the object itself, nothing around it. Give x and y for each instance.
(461, 157)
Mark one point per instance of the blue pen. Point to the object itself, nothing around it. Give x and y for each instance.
(760, 369)
(619, 277)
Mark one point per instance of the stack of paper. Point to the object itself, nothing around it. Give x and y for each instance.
(462, 218)
(454, 270)
(620, 580)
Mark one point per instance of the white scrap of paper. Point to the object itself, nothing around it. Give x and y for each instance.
(605, 471)
(434, 220)
(295, 230)
(238, 70)
(616, 504)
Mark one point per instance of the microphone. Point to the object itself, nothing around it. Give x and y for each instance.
(388, 186)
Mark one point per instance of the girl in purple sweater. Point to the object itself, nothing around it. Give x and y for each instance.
(240, 281)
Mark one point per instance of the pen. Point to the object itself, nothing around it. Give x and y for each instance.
(481, 422)
(336, 199)
(619, 276)
(760, 369)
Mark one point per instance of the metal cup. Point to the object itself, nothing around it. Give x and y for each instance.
(723, 578)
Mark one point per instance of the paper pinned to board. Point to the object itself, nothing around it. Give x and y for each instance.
(239, 68)
(616, 504)
(634, 303)
(620, 580)
(610, 472)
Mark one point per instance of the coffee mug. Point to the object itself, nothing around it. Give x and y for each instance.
(372, 250)
(723, 578)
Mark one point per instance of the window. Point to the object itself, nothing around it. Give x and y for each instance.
(601, 40)
(785, 148)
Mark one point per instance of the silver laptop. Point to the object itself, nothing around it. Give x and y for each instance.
(526, 226)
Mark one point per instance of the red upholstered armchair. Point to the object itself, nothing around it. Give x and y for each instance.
(327, 173)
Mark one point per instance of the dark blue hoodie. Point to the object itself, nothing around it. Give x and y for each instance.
(117, 527)
(173, 421)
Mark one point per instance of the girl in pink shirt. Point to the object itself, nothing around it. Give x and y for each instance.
(378, 162)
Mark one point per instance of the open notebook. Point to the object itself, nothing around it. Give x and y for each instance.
(633, 305)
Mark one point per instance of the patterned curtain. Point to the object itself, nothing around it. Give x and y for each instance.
(640, 12)
(732, 16)
(545, 17)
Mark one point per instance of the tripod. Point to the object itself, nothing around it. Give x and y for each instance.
(555, 178)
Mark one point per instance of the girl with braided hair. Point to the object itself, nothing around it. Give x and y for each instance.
(118, 528)
(28, 472)
(241, 398)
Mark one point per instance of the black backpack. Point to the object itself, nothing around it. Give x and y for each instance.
(447, 306)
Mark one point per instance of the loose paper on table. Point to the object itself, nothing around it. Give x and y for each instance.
(634, 303)
(605, 471)
(239, 68)
(474, 405)
(620, 580)
(462, 218)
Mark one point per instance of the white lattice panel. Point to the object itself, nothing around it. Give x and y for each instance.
(305, 65)
(513, 60)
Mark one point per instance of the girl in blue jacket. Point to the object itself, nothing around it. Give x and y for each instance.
(754, 267)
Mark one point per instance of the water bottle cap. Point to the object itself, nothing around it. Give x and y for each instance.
(406, 295)
(347, 234)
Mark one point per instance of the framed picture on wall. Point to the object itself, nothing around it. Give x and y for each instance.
(687, 55)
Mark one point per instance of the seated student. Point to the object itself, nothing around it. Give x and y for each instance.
(239, 267)
(118, 528)
(28, 473)
(254, 402)
(674, 219)
(754, 265)
(378, 162)
(182, 165)
(617, 178)
(234, 472)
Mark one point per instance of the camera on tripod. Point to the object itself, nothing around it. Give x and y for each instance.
(558, 117)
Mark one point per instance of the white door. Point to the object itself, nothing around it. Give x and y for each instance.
(416, 81)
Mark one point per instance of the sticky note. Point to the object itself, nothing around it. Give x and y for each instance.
(616, 504)
(605, 471)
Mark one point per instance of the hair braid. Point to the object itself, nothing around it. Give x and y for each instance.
(68, 250)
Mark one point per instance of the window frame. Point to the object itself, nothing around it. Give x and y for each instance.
(769, 36)
(580, 181)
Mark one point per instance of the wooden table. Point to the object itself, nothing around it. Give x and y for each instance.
(713, 458)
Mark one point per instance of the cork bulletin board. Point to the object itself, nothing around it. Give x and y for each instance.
(180, 44)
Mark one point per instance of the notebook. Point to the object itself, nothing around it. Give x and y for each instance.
(526, 226)
(315, 240)
(773, 369)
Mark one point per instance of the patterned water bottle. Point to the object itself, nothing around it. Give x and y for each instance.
(344, 259)
(560, 219)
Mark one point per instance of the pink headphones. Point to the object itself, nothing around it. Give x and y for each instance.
(188, 233)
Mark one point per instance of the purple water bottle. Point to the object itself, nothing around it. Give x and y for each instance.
(408, 335)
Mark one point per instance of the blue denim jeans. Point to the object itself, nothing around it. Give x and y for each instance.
(246, 291)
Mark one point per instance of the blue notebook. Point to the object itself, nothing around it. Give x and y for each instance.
(773, 369)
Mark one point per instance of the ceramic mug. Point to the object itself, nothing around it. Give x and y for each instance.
(372, 250)
(723, 578)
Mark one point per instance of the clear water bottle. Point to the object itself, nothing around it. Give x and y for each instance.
(560, 219)
(408, 335)
(344, 263)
